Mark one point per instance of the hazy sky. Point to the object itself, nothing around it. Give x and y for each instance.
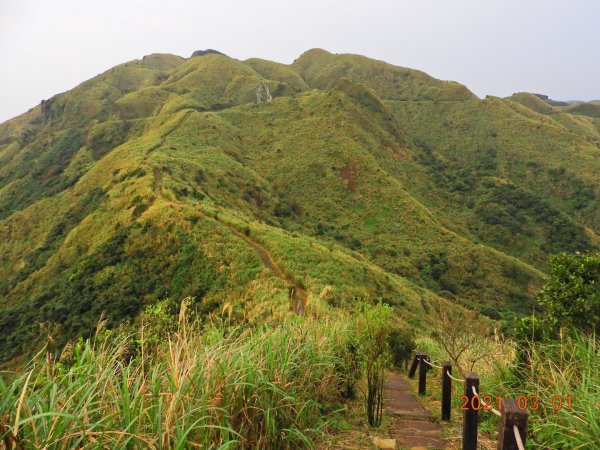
(495, 47)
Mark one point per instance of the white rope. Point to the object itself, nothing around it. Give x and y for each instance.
(487, 407)
(495, 411)
(432, 365)
(455, 379)
(518, 438)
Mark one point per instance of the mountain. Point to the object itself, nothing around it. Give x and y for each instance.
(257, 187)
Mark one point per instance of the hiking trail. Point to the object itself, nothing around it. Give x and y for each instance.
(297, 293)
(412, 426)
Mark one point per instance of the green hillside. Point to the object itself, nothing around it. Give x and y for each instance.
(533, 102)
(163, 178)
(321, 69)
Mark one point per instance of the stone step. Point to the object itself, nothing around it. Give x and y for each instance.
(412, 426)
(411, 414)
(414, 433)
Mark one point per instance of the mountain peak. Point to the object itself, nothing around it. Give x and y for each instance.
(208, 51)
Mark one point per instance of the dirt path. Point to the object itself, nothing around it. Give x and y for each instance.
(163, 138)
(297, 294)
(157, 182)
(411, 425)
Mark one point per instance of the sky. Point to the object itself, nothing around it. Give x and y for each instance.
(495, 47)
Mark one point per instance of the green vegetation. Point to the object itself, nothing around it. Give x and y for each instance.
(504, 175)
(172, 380)
(572, 295)
(127, 205)
(373, 333)
(570, 300)
(568, 367)
(553, 360)
(269, 387)
(162, 180)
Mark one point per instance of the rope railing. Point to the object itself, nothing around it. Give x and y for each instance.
(512, 429)
(455, 379)
(432, 365)
(518, 437)
(447, 373)
(487, 407)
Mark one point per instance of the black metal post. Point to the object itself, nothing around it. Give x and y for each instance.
(446, 390)
(413, 367)
(470, 415)
(511, 415)
(423, 366)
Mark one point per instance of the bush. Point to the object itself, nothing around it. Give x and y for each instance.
(355, 244)
(349, 368)
(402, 344)
(373, 326)
(287, 208)
(572, 295)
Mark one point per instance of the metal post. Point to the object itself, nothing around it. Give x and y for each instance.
(413, 367)
(511, 415)
(423, 367)
(446, 390)
(470, 415)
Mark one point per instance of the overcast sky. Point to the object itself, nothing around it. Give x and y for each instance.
(495, 47)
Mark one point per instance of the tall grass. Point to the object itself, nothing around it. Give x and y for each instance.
(264, 388)
(569, 367)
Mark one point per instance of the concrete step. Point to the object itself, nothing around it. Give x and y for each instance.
(411, 414)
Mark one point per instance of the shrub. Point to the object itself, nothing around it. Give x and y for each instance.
(373, 326)
(288, 208)
(402, 344)
(572, 295)
(349, 368)
(355, 244)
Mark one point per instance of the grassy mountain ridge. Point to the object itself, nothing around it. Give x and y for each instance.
(582, 118)
(153, 180)
(320, 69)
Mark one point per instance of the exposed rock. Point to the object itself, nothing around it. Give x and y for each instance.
(550, 101)
(263, 95)
(52, 108)
(386, 444)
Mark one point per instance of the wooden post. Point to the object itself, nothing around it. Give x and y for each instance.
(423, 366)
(470, 415)
(413, 367)
(446, 390)
(511, 415)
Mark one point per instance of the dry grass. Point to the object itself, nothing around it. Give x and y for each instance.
(274, 387)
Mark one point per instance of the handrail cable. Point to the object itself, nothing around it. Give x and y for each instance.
(431, 364)
(517, 433)
(518, 438)
(455, 379)
(495, 411)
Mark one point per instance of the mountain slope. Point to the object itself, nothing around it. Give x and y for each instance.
(163, 178)
(320, 69)
(512, 178)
